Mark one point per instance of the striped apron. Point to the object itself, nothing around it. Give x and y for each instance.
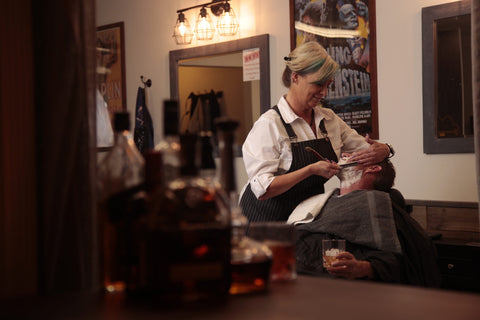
(279, 208)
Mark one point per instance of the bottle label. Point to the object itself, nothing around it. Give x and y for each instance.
(197, 271)
(193, 258)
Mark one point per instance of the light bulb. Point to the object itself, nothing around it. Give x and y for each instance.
(227, 24)
(182, 32)
(226, 18)
(204, 29)
(204, 25)
(182, 29)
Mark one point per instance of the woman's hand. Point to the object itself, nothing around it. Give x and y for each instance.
(325, 168)
(376, 153)
(346, 266)
(284, 182)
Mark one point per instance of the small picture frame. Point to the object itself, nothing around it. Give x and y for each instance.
(111, 83)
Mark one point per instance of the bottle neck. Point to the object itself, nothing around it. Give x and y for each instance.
(154, 170)
(188, 150)
(121, 136)
(227, 175)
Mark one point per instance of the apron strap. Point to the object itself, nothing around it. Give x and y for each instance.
(291, 133)
(323, 130)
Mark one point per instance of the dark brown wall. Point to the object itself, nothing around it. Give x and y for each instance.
(48, 229)
(17, 153)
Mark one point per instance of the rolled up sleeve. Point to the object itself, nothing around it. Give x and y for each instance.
(344, 139)
(265, 154)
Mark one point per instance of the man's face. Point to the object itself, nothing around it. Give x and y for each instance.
(308, 36)
(356, 54)
(349, 175)
(348, 15)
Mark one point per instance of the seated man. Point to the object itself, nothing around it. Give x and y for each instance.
(382, 241)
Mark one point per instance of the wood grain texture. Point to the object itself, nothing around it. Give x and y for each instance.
(64, 42)
(48, 236)
(17, 153)
(452, 220)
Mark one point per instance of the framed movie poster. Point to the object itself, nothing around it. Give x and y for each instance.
(346, 29)
(110, 48)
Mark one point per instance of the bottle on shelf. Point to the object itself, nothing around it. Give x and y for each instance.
(186, 248)
(169, 145)
(121, 179)
(205, 159)
(250, 260)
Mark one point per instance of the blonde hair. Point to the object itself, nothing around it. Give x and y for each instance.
(309, 57)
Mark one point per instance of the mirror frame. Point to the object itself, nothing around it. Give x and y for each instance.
(261, 42)
(432, 144)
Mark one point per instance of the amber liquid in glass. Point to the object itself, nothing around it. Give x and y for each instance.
(283, 267)
(329, 257)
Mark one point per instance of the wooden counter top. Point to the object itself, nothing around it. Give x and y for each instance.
(305, 298)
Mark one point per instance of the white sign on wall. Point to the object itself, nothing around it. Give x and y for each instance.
(251, 64)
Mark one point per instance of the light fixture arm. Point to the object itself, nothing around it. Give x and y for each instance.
(205, 5)
(226, 25)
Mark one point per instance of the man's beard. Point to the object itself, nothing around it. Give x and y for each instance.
(349, 176)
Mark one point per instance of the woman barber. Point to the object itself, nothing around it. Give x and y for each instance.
(281, 172)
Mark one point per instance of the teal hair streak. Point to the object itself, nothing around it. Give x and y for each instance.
(315, 66)
(328, 74)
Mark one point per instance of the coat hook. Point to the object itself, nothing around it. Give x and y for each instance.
(147, 83)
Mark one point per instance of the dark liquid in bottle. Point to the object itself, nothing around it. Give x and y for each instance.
(250, 277)
(119, 215)
(187, 264)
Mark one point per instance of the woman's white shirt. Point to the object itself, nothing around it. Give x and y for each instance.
(267, 151)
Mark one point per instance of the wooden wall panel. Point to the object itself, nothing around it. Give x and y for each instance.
(48, 227)
(419, 213)
(18, 251)
(64, 45)
(454, 220)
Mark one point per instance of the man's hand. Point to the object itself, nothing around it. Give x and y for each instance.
(346, 266)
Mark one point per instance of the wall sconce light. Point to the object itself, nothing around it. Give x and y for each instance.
(183, 32)
(204, 28)
(227, 22)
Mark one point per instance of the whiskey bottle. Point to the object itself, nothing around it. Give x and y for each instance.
(120, 178)
(169, 145)
(186, 249)
(250, 260)
(205, 159)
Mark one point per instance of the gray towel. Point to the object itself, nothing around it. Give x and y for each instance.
(362, 217)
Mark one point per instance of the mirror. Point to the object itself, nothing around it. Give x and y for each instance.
(447, 79)
(214, 73)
